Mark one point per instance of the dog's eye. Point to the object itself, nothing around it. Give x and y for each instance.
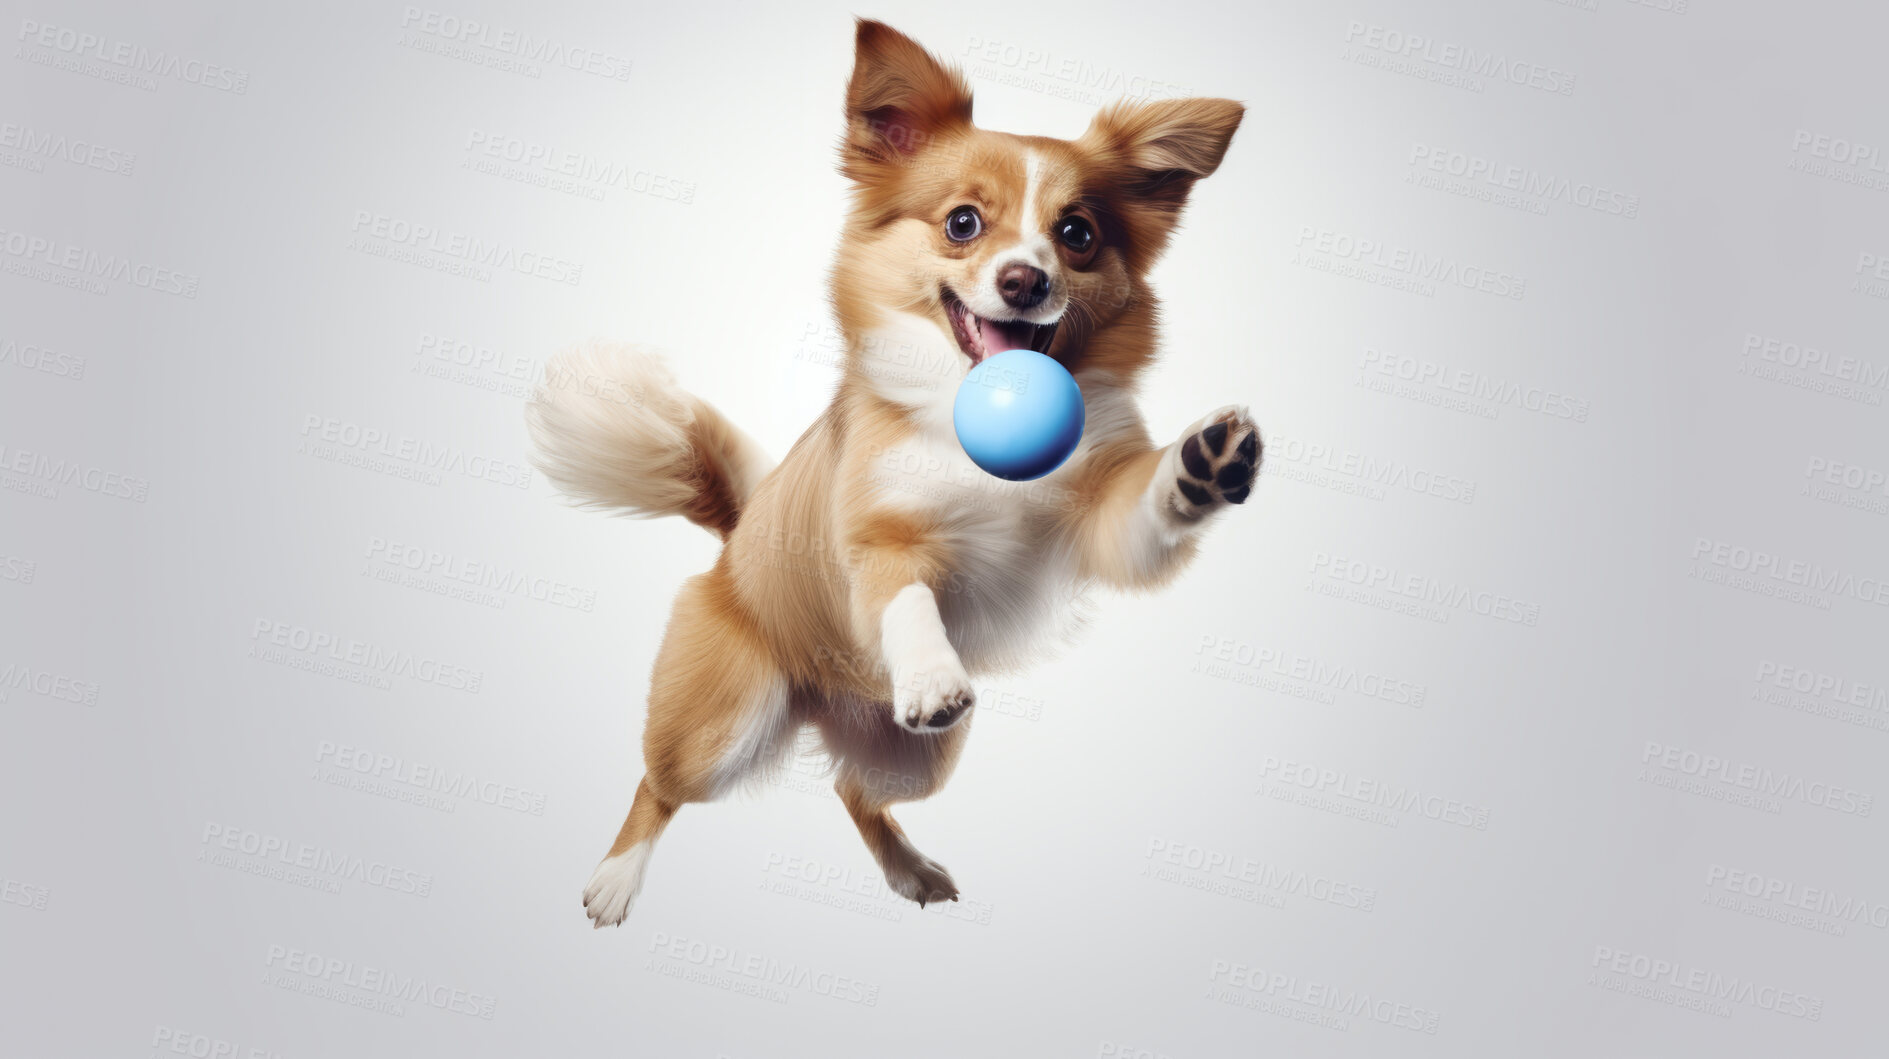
(963, 225)
(1076, 234)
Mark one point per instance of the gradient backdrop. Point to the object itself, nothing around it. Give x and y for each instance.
(1535, 706)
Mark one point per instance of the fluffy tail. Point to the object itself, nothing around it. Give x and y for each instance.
(610, 427)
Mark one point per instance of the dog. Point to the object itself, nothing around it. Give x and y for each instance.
(865, 580)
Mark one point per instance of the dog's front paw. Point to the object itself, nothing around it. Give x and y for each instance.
(1214, 464)
(932, 696)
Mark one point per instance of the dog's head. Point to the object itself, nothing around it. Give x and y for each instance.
(1003, 241)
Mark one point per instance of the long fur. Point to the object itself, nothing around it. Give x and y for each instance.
(610, 427)
(867, 580)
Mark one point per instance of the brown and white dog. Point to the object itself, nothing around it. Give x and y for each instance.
(865, 580)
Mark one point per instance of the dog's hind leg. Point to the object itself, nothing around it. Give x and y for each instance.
(619, 878)
(882, 764)
(718, 710)
(908, 873)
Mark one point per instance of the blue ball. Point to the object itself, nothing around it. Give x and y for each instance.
(1018, 415)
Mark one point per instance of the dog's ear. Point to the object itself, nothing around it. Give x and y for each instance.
(1154, 152)
(899, 100)
(1163, 147)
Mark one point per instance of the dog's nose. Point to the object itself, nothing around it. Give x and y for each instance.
(1022, 286)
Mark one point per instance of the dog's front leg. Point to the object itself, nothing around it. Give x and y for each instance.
(895, 610)
(1145, 518)
(930, 689)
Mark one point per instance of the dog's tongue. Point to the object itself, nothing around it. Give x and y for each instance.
(1000, 336)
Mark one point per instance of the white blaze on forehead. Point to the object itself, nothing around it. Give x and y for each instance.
(1034, 247)
(1032, 181)
(1031, 248)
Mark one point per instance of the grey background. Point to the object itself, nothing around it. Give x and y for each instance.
(1129, 823)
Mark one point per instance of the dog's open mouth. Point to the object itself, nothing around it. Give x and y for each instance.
(980, 338)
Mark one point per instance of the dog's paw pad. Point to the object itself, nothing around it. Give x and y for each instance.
(949, 714)
(932, 700)
(1192, 458)
(1211, 470)
(1215, 436)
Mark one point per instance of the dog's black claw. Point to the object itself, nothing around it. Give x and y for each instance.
(1194, 494)
(1237, 496)
(1216, 438)
(1249, 449)
(1234, 474)
(1191, 459)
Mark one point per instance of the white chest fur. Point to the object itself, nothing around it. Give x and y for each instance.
(1008, 592)
(1012, 592)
